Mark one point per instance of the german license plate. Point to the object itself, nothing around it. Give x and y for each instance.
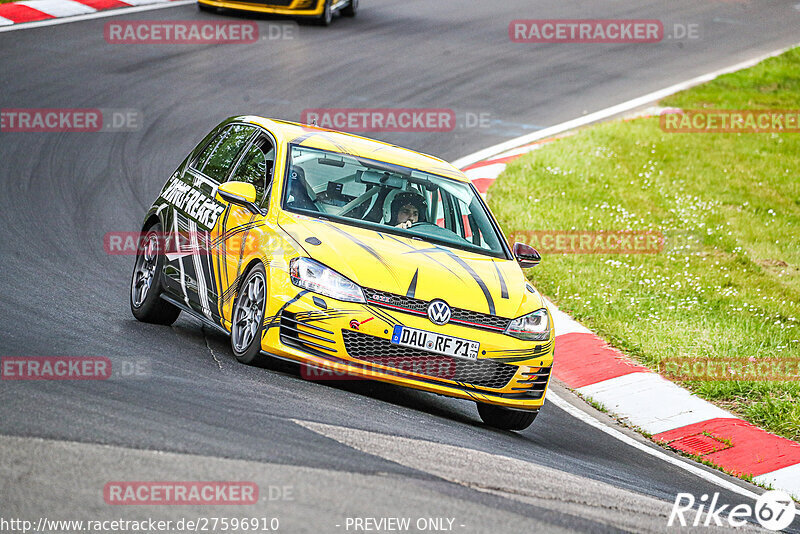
(433, 342)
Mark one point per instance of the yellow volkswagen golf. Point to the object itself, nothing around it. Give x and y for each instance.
(320, 11)
(352, 257)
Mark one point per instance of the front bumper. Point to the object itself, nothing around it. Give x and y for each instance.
(300, 8)
(338, 340)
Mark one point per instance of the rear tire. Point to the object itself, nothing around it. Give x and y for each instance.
(505, 418)
(247, 319)
(146, 281)
(351, 10)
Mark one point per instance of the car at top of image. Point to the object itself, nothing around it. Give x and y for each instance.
(319, 11)
(354, 258)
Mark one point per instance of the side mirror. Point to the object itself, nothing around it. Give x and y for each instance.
(526, 255)
(241, 194)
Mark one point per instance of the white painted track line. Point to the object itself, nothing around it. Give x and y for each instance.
(607, 112)
(788, 477)
(563, 323)
(488, 171)
(651, 450)
(512, 478)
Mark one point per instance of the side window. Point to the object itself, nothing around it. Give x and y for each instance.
(255, 167)
(458, 217)
(215, 160)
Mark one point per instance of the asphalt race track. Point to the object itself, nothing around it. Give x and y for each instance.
(345, 449)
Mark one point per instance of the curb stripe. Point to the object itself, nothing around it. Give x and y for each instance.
(585, 359)
(760, 452)
(651, 402)
(58, 8)
(38, 13)
(521, 151)
(144, 2)
(108, 13)
(482, 184)
(100, 5)
(21, 13)
(493, 161)
(492, 170)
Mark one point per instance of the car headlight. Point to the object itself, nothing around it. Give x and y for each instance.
(532, 327)
(315, 277)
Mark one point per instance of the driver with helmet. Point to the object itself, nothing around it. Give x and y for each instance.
(407, 208)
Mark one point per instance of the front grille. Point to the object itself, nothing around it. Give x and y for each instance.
(276, 3)
(459, 316)
(303, 4)
(376, 350)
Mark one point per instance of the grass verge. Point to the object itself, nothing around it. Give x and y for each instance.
(726, 286)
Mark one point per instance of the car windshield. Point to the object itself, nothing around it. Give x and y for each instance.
(389, 198)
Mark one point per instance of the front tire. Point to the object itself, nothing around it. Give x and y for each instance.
(326, 17)
(207, 9)
(247, 320)
(351, 10)
(505, 418)
(146, 281)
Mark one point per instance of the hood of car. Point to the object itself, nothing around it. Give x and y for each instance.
(415, 268)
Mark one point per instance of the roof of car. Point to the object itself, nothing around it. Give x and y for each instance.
(324, 139)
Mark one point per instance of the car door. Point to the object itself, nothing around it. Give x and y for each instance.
(239, 229)
(195, 212)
